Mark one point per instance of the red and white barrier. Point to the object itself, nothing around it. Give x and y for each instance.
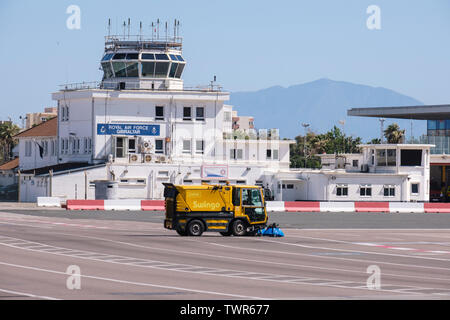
(431, 207)
(273, 206)
(122, 204)
(364, 206)
(300, 206)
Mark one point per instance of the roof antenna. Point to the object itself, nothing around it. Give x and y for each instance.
(109, 27)
(129, 28)
(153, 30)
(124, 28)
(140, 30)
(157, 25)
(175, 29)
(166, 31)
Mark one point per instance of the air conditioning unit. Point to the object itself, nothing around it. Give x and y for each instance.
(161, 159)
(146, 146)
(133, 158)
(148, 158)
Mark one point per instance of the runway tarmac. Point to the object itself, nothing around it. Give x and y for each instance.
(48, 255)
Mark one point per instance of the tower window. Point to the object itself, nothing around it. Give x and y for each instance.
(161, 69)
(148, 56)
(160, 56)
(119, 56)
(148, 69)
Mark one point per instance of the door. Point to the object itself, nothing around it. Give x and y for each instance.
(252, 204)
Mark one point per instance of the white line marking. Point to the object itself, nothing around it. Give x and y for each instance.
(27, 294)
(270, 262)
(145, 284)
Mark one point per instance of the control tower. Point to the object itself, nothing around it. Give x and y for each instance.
(143, 62)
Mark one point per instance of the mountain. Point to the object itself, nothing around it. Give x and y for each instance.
(322, 103)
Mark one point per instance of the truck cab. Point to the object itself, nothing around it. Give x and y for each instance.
(229, 209)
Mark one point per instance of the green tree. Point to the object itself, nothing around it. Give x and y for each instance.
(333, 141)
(393, 134)
(7, 132)
(375, 141)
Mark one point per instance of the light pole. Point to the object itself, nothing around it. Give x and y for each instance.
(342, 122)
(382, 129)
(305, 125)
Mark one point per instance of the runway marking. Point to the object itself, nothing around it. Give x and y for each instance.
(87, 226)
(355, 243)
(145, 284)
(30, 295)
(223, 272)
(266, 261)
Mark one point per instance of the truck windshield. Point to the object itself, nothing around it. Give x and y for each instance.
(251, 197)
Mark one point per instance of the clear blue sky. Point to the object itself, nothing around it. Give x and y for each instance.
(249, 45)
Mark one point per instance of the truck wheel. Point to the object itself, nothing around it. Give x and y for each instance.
(239, 228)
(226, 233)
(195, 228)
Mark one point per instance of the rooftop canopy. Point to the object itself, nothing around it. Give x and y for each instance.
(429, 112)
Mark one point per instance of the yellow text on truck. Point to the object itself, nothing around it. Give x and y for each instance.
(229, 209)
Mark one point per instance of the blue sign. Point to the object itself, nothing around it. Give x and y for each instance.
(127, 129)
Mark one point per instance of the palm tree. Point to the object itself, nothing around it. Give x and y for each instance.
(393, 134)
(7, 132)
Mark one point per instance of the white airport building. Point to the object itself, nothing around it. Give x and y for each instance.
(140, 127)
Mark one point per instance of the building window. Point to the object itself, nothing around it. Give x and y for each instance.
(120, 147)
(414, 188)
(386, 158)
(75, 146)
(389, 191)
(64, 113)
(45, 148)
(342, 190)
(355, 163)
(199, 145)
(187, 113)
(236, 154)
(53, 148)
(227, 116)
(87, 145)
(159, 113)
(159, 146)
(411, 158)
(64, 146)
(268, 154)
(365, 190)
(275, 154)
(67, 113)
(200, 113)
(27, 148)
(186, 146)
